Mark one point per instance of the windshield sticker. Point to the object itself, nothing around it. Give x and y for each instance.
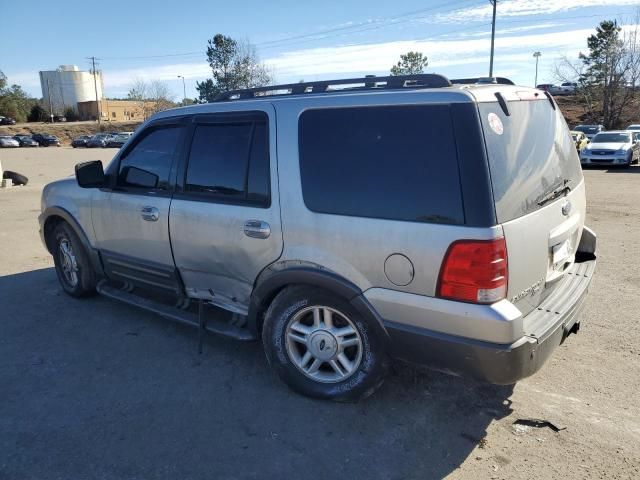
(495, 123)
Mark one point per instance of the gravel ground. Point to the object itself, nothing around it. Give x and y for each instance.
(95, 389)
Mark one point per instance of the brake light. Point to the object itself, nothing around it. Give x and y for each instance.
(474, 271)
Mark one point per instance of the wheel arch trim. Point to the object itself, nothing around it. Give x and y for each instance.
(67, 217)
(278, 276)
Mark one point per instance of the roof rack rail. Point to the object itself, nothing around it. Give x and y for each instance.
(371, 82)
(482, 81)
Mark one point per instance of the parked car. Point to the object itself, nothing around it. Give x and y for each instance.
(117, 141)
(46, 140)
(98, 141)
(26, 141)
(80, 141)
(589, 130)
(7, 121)
(634, 127)
(612, 148)
(401, 218)
(580, 139)
(8, 142)
(544, 86)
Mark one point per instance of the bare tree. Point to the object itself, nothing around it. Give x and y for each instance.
(138, 93)
(159, 96)
(608, 76)
(150, 97)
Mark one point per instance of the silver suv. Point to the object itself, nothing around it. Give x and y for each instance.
(344, 223)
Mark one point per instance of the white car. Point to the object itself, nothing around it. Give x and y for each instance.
(634, 127)
(8, 142)
(619, 147)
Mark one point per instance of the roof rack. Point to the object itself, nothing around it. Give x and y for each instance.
(482, 80)
(371, 82)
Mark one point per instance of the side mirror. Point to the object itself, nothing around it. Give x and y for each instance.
(90, 174)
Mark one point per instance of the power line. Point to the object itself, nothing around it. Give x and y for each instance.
(359, 27)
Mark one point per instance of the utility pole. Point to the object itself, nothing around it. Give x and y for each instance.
(95, 86)
(184, 90)
(493, 35)
(537, 56)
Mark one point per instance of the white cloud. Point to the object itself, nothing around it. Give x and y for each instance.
(519, 8)
(503, 31)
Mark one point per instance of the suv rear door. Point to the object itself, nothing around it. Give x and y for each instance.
(225, 215)
(531, 155)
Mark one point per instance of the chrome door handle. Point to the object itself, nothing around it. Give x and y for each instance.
(257, 229)
(150, 214)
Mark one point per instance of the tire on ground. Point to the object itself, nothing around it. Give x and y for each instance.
(86, 276)
(15, 177)
(360, 384)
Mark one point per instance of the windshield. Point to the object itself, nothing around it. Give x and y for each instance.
(529, 152)
(611, 138)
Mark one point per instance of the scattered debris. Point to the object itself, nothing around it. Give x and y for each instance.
(537, 423)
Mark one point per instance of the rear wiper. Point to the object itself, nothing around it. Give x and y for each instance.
(557, 191)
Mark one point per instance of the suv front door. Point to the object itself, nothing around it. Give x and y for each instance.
(131, 218)
(225, 215)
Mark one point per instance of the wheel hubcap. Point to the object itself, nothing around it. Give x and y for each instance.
(68, 262)
(323, 344)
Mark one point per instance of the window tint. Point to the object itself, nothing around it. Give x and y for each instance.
(152, 155)
(395, 162)
(230, 161)
(531, 154)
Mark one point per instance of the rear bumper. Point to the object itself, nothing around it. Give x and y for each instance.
(547, 327)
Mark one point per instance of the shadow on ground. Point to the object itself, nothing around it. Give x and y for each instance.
(95, 389)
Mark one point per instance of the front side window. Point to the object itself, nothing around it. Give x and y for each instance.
(148, 163)
(390, 162)
(230, 162)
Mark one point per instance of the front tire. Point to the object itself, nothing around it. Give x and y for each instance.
(320, 346)
(75, 274)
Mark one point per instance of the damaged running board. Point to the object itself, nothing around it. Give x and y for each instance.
(187, 318)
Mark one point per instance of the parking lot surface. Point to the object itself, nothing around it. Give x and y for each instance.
(95, 389)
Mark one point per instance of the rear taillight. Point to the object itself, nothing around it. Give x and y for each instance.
(474, 271)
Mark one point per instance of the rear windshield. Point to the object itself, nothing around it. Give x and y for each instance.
(611, 138)
(530, 154)
(587, 129)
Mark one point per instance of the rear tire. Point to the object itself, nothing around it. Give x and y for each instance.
(321, 347)
(75, 274)
(15, 178)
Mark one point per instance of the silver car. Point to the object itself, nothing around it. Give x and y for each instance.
(8, 142)
(344, 223)
(620, 148)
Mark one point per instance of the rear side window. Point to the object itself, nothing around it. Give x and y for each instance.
(148, 163)
(230, 162)
(396, 162)
(530, 154)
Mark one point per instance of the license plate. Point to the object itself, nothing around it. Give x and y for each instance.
(561, 253)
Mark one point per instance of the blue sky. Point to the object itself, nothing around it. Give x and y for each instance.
(298, 40)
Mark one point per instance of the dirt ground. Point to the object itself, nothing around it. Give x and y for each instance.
(95, 389)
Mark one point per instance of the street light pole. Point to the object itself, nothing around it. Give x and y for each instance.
(537, 56)
(184, 90)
